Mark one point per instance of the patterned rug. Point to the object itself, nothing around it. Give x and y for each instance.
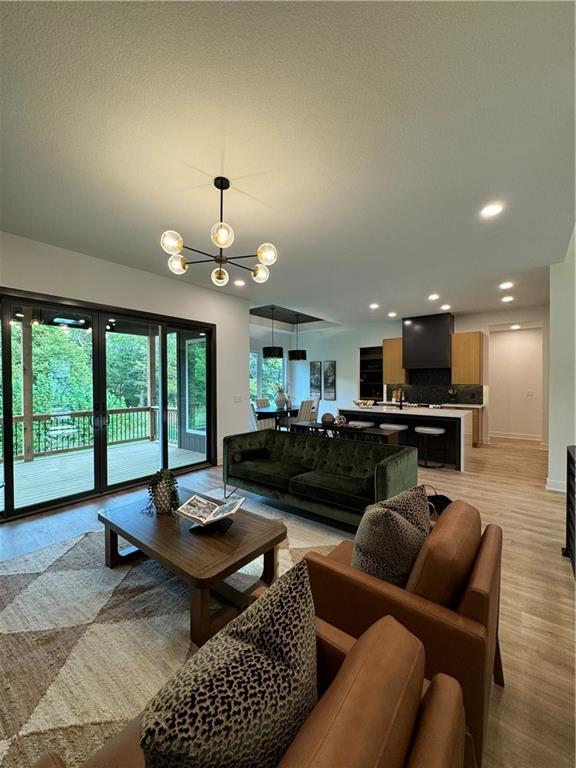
(83, 647)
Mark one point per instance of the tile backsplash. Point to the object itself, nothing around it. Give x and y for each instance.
(440, 393)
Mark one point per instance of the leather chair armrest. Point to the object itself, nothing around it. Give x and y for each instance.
(332, 646)
(440, 733)
(352, 601)
(51, 760)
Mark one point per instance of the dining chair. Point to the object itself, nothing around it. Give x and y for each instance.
(257, 424)
(304, 414)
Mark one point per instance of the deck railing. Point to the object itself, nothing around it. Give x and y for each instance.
(74, 430)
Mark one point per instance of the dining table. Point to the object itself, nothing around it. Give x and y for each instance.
(273, 412)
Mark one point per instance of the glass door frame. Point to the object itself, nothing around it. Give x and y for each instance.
(7, 297)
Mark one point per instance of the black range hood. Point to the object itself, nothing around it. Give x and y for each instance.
(426, 341)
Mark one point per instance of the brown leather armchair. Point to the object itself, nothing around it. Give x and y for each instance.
(458, 566)
(375, 709)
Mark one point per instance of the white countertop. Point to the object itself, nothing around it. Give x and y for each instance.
(442, 413)
(468, 406)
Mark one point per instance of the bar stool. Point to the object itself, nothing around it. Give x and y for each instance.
(427, 432)
(397, 427)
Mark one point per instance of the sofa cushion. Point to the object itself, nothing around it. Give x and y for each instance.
(251, 454)
(276, 474)
(348, 492)
(240, 700)
(367, 716)
(386, 545)
(446, 558)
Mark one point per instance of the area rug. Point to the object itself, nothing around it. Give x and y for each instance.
(83, 647)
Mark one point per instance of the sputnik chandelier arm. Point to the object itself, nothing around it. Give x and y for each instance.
(222, 235)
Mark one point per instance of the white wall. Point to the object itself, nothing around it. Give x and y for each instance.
(516, 384)
(343, 345)
(485, 322)
(562, 418)
(32, 266)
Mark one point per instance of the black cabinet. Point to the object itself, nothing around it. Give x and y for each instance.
(568, 550)
(371, 373)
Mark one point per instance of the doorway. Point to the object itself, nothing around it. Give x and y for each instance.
(516, 384)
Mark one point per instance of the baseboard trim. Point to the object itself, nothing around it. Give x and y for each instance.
(517, 436)
(559, 486)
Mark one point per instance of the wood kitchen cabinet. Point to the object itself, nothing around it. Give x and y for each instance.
(394, 373)
(467, 357)
(468, 368)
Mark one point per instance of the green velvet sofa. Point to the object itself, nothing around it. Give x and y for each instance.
(326, 476)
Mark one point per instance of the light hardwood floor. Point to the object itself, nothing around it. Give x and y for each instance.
(532, 718)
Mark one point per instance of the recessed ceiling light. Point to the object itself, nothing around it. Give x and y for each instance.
(507, 299)
(240, 283)
(515, 327)
(434, 297)
(407, 322)
(506, 285)
(111, 319)
(392, 314)
(445, 307)
(374, 306)
(491, 210)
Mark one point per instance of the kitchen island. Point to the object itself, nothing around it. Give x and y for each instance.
(451, 448)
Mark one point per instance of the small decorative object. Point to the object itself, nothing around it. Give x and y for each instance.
(364, 403)
(163, 491)
(330, 380)
(327, 419)
(281, 400)
(340, 421)
(451, 394)
(316, 379)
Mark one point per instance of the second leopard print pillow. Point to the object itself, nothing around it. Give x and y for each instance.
(390, 535)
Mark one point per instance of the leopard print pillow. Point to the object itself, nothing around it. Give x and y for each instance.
(412, 505)
(390, 535)
(239, 702)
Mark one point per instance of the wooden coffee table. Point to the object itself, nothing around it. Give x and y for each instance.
(202, 560)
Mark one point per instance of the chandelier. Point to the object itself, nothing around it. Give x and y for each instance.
(222, 235)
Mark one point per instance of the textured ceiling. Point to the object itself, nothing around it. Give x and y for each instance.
(361, 138)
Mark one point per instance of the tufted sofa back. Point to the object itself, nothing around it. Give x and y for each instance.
(340, 457)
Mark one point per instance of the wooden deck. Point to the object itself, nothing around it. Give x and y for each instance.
(64, 474)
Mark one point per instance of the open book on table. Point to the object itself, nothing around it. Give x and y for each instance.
(203, 512)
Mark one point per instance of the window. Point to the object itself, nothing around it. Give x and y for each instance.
(265, 376)
(254, 357)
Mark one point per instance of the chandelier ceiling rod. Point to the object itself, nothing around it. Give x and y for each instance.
(222, 235)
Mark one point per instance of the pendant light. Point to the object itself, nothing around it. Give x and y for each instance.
(297, 354)
(222, 235)
(268, 352)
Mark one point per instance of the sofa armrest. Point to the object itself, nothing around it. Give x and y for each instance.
(395, 474)
(51, 760)
(232, 444)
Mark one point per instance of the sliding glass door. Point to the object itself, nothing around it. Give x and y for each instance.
(187, 397)
(94, 399)
(52, 398)
(132, 373)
